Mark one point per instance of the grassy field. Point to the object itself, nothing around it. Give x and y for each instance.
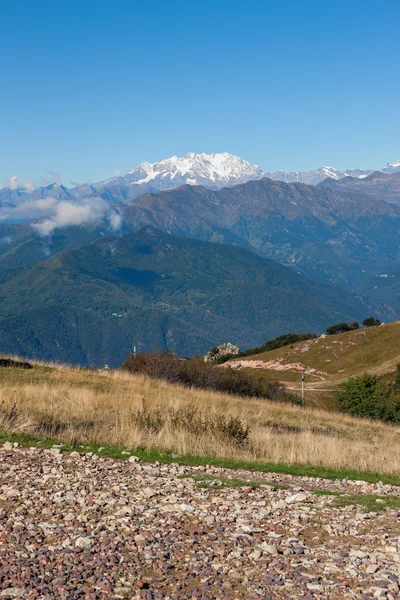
(329, 361)
(119, 410)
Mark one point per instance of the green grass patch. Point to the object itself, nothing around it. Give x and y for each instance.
(326, 493)
(153, 455)
(207, 481)
(368, 502)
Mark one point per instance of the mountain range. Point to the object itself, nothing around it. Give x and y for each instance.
(151, 289)
(334, 246)
(333, 236)
(377, 185)
(318, 175)
(213, 171)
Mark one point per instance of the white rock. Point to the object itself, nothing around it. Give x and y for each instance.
(299, 497)
(269, 548)
(133, 459)
(13, 592)
(84, 542)
(371, 569)
(380, 593)
(186, 507)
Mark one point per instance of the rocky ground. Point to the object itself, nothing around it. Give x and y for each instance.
(82, 526)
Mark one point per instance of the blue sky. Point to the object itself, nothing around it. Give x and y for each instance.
(88, 88)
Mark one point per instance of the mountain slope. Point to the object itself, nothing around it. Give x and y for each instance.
(385, 285)
(337, 357)
(324, 235)
(378, 185)
(91, 305)
(327, 235)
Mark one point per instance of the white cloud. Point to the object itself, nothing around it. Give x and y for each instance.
(29, 209)
(7, 239)
(13, 182)
(115, 220)
(30, 185)
(72, 213)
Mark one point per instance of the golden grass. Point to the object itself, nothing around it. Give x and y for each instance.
(79, 406)
(338, 357)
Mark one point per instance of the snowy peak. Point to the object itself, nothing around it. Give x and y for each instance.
(315, 177)
(210, 170)
(392, 167)
(309, 177)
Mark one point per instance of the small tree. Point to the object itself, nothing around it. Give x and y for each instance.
(371, 322)
(338, 328)
(366, 397)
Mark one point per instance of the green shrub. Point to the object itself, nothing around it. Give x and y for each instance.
(371, 322)
(366, 396)
(338, 328)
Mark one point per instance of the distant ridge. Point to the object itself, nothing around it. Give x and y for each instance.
(158, 291)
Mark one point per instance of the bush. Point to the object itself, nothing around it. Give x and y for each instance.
(366, 397)
(371, 322)
(194, 372)
(342, 328)
(188, 419)
(338, 328)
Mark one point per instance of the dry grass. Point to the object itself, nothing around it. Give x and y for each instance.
(74, 405)
(330, 361)
(338, 357)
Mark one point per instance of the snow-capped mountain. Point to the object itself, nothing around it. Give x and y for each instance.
(315, 177)
(391, 167)
(214, 171)
(210, 170)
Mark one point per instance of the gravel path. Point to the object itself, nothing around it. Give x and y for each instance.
(81, 526)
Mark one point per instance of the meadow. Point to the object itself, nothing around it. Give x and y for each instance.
(133, 412)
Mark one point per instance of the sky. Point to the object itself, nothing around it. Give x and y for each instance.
(92, 88)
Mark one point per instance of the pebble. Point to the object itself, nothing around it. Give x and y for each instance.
(98, 529)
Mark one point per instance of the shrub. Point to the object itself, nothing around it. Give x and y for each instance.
(229, 428)
(365, 396)
(338, 328)
(195, 372)
(371, 322)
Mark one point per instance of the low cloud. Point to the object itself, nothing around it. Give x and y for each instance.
(67, 213)
(114, 219)
(30, 185)
(6, 240)
(29, 209)
(13, 182)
